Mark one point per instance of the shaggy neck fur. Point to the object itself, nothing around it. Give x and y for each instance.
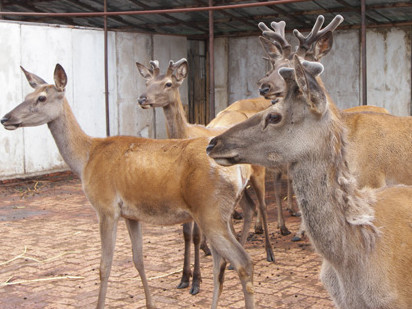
(74, 145)
(338, 216)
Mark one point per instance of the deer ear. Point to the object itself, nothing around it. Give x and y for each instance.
(272, 49)
(287, 74)
(305, 78)
(181, 71)
(33, 79)
(323, 46)
(300, 77)
(60, 77)
(145, 72)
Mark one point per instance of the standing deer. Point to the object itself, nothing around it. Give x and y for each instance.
(142, 180)
(162, 90)
(314, 46)
(363, 235)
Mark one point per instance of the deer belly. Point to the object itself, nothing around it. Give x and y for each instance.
(162, 213)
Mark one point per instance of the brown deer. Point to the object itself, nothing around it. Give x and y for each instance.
(142, 180)
(162, 90)
(363, 235)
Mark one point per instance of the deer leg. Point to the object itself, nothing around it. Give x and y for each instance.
(219, 266)
(135, 233)
(197, 236)
(247, 206)
(258, 182)
(281, 220)
(293, 210)
(204, 246)
(301, 232)
(187, 236)
(225, 246)
(107, 227)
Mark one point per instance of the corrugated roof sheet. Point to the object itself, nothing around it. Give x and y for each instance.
(239, 21)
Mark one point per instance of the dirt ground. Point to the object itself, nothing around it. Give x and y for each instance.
(50, 253)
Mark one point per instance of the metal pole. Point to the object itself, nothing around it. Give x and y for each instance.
(211, 65)
(363, 53)
(106, 73)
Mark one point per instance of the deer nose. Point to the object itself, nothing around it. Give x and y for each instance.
(4, 119)
(264, 89)
(142, 100)
(211, 145)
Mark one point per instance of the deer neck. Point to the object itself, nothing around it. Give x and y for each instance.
(74, 145)
(337, 215)
(176, 122)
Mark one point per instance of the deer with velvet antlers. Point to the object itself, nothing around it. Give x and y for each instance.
(363, 235)
(142, 180)
(369, 166)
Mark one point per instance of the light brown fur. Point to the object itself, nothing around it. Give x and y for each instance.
(119, 174)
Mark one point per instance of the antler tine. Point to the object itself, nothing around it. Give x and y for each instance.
(278, 35)
(305, 43)
(155, 67)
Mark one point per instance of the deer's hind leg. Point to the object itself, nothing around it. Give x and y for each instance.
(197, 278)
(225, 246)
(187, 273)
(258, 183)
(108, 227)
(135, 233)
(281, 220)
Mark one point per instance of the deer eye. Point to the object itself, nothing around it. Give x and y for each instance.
(42, 98)
(273, 118)
(169, 84)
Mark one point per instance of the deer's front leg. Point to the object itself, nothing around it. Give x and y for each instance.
(108, 227)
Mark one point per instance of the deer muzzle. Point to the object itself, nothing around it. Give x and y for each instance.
(8, 126)
(143, 102)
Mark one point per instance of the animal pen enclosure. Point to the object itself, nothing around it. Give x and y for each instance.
(98, 43)
(101, 60)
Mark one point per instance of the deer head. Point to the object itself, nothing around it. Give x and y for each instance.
(41, 106)
(312, 47)
(163, 89)
(283, 133)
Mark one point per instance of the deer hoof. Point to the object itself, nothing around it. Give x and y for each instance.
(270, 257)
(284, 231)
(183, 285)
(206, 250)
(230, 267)
(194, 290)
(258, 230)
(296, 238)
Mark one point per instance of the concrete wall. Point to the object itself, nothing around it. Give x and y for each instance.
(32, 151)
(38, 48)
(238, 66)
(388, 68)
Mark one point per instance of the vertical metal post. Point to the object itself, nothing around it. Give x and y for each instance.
(106, 73)
(211, 65)
(410, 104)
(363, 53)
